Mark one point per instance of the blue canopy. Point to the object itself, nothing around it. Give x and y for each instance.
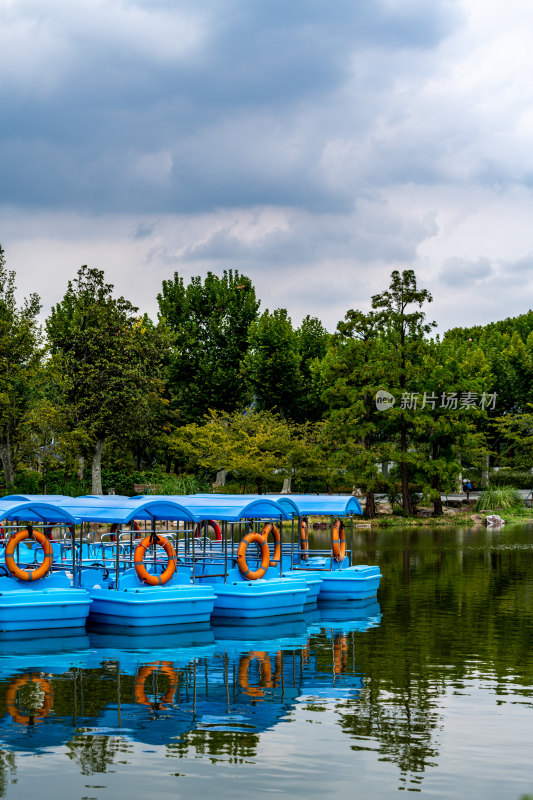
(107, 497)
(302, 504)
(289, 506)
(170, 507)
(35, 511)
(231, 508)
(124, 511)
(319, 505)
(46, 498)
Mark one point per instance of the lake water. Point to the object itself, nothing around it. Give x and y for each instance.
(429, 690)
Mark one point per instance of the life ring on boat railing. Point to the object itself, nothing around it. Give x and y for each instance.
(338, 540)
(138, 560)
(340, 654)
(266, 679)
(253, 575)
(34, 574)
(114, 528)
(163, 667)
(277, 541)
(304, 540)
(212, 524)
(11, 699)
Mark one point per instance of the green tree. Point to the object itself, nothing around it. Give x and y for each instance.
(354, 369)
(210, 322)
(253, 445)
(313, 340)
(108, 361)
(448, 431)
(20, 356)
(403, 329)
(272, 364)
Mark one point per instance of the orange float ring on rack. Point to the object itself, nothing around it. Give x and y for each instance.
(338, 540)
(241, 556)
(11, 699)
(34, 574)
(213, 524)
(138, 560)
(304, 540)
(277, 541)
(164, 667)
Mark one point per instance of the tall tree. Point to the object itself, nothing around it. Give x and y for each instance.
(210, 322)
(108, 362)
(404, 329)
(313, 341)
(20, 355)
(272, 364)
(354, 369)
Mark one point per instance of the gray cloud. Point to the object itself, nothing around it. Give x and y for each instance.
(181, 107)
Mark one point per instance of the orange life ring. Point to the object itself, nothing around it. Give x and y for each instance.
(138, 560)
(164, 667)
(213, 524)
(277, 541)
(266, 679)
(241, 556)
(338, 540)
(11, 699)
(304, 540)
(28, 575)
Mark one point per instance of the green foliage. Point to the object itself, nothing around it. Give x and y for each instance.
(210, 322)
(498, 499)
(272, 364)
(254, 446)
(20, 359)
(107, 363)
(517, 479)
(176, 484)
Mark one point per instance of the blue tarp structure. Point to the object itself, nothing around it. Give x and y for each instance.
(37, 511)
(319, 505)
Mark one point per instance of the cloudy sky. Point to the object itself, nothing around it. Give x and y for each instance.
(312, 146)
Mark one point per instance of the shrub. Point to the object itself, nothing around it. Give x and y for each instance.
(518, 479)
(495, 499)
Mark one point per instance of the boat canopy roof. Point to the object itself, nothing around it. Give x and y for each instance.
(87, 509)
(230, 508)
(107, 497)
(320, 505)
(303, 504)
(35, 511)
(41, 498)
(289, 506)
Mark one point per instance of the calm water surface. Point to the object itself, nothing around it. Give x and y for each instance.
(428, 690)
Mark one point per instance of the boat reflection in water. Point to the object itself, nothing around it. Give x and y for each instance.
(158, 688)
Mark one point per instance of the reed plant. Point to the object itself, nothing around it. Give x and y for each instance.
(499, 498)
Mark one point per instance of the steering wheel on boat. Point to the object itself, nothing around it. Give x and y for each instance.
(5, 571)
